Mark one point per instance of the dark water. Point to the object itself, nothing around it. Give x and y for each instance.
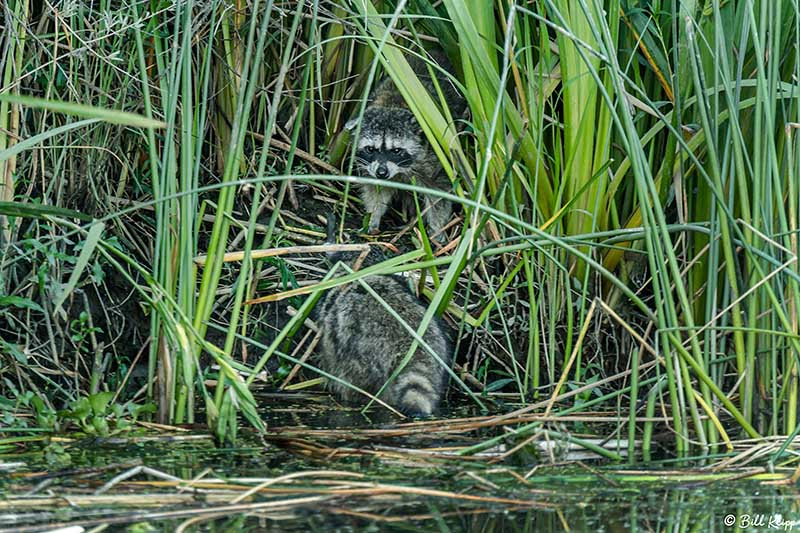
(590, 496)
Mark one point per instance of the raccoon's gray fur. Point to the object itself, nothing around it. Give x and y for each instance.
(363, 344)
(392, 146)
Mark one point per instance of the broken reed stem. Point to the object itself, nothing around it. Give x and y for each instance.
(234, 257)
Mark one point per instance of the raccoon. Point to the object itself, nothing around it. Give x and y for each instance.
(392, 146)
(363, 344)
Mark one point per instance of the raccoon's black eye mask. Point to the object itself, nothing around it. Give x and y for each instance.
(396, 155)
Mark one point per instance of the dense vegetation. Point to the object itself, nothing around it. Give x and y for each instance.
(627, 175)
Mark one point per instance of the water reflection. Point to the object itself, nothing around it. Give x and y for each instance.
(442, 495)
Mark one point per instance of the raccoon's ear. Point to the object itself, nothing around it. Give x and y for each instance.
(413, 126)
(351, 124)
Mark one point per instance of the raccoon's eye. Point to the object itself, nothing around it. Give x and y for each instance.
(369, 149)
(397, 151)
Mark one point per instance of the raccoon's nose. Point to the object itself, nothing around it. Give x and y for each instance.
(382, 172)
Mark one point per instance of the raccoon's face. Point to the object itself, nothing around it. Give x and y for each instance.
(390, 141)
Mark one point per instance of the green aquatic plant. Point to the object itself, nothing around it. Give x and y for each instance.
(97, 414)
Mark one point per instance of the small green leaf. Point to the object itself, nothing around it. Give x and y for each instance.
(92, 238)
(19, 301)
(100, 426)
(100, 401)
(13, 349)
(80, 409)
(499, 384)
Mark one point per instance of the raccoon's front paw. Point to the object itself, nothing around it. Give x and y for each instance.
(374, 226)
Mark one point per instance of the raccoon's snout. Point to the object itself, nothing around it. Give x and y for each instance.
(384, 170)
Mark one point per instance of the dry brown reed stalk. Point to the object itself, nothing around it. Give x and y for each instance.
(347, 493)
(121, 500)
(299, 153)
(74, 472)
(158, 500)
(353, 488)
(753, 450)
(298, 440)
(457, 426)
(303, 358)
(409, 456)
(275, 252)
(416, 517)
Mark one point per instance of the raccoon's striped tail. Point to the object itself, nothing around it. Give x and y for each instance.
(416, 394)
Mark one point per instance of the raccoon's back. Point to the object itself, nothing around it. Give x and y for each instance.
(363, 344)
(386, 94)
